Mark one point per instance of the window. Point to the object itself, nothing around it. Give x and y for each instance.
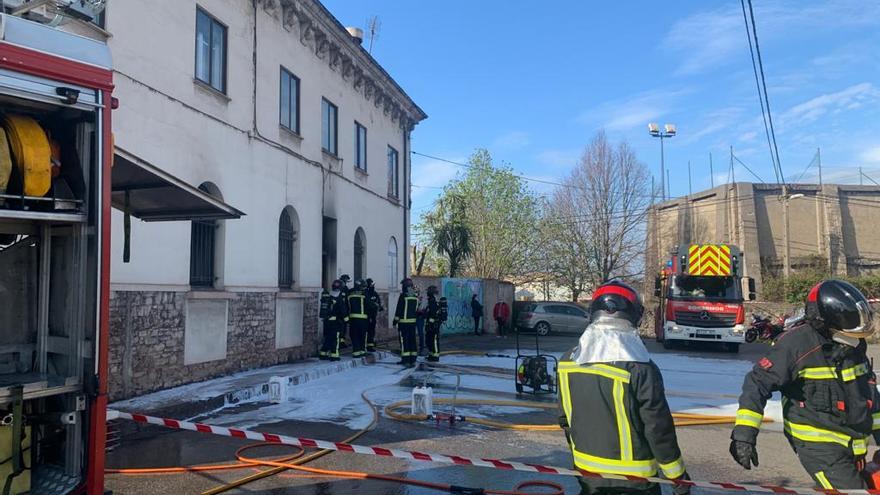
(289, 101)
(393, 180)
(392, 263)
(202, 250)
(360, 254)
(329, 120)
(286, 244)
(210, 51)
(360, 146)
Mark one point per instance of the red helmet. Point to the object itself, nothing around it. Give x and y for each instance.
(616, 298)
(840, 306)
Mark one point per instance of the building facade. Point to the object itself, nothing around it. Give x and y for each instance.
(830, 225)
(275, 108)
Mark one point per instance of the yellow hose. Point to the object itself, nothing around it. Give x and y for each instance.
(681, 419)
(31, 152)
(5, 161)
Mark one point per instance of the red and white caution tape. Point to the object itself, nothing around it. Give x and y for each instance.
(453, 459)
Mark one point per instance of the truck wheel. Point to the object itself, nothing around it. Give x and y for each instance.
(732, 348)
(542, 328)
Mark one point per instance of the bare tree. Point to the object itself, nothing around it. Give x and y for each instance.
(601, 209)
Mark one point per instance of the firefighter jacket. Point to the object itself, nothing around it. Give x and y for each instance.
(828, 390)
(357, 305)
(374, 302)
(432, 310)
(339, 309)
(407, 304)
(617, 420)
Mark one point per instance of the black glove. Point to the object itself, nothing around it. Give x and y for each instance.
(744, 453)
(682, 489)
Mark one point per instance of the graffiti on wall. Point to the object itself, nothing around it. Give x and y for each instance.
(458, 293)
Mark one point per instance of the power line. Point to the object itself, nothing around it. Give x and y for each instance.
(749, 169)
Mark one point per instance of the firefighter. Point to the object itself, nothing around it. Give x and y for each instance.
(405, 321)
(829, 396)
(345, 279)
(613, 406)
(358, 318)
(335, 319)
(433, 321)
(374, 306)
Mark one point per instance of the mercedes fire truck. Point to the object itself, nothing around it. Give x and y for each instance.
(700, 296)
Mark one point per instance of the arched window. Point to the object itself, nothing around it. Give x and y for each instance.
(288, 226)
(360, 254)
(203, 248)
(393, 276)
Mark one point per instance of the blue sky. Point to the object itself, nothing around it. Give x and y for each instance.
(533, 81)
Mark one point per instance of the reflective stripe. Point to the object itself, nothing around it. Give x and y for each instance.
(809, 433)
(673, 470)
(745, 417)
(614, 466)
(820, 476)
(566, 395)
(856, 371)
(876, 418)
(596, 369)
(818, 373)
(860, 446)
(623, 432)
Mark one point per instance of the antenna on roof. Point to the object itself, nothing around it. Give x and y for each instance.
(373, 26)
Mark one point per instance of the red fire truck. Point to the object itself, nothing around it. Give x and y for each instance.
(700, 296)
(56, 192)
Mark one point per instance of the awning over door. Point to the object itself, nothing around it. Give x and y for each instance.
(154, 195)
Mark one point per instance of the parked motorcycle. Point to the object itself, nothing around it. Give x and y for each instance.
(764, 330)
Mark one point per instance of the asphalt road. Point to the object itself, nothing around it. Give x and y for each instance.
(704, 447)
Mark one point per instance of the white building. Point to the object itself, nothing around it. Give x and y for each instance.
(274, 108)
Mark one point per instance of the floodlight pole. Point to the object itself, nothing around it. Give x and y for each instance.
(667, 132)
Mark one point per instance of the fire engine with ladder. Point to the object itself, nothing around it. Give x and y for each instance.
(60, 173)
(700, 296)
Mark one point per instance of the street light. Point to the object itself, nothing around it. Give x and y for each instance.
(786, 199)
(667, 132)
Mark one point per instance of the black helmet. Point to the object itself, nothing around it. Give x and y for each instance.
(359, 284)
(840, 307)
(345, 279)
(369, 282)
(337, 285)
(432, 290)
(406, 284)
(616, 298)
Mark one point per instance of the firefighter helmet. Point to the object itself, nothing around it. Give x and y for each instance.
(337, 285)
(359, 284)
(616, 298)
(369, 282)
(345, 279)
(840, 307)
(432, 290)
(407, 283)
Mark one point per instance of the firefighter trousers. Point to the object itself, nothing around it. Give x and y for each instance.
(831, 466)
(599, 486)
(358, 331)
(408, 349)
(330, 345)
(432, 340)
(371, 333)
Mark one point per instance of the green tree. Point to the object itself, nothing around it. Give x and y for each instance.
(449, 234)
(502, 215)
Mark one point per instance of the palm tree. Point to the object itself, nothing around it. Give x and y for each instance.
(450, 236)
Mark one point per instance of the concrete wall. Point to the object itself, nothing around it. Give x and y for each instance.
(492, 292)
(235, 142)
(835, 223)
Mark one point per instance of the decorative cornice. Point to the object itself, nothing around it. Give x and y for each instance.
(319, 31)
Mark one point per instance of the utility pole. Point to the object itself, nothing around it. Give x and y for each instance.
(668, 185)
(731, 175)
(711, 172)
(690, 184)
(819, 163)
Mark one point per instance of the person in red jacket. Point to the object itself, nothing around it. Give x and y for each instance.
(501, 313)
